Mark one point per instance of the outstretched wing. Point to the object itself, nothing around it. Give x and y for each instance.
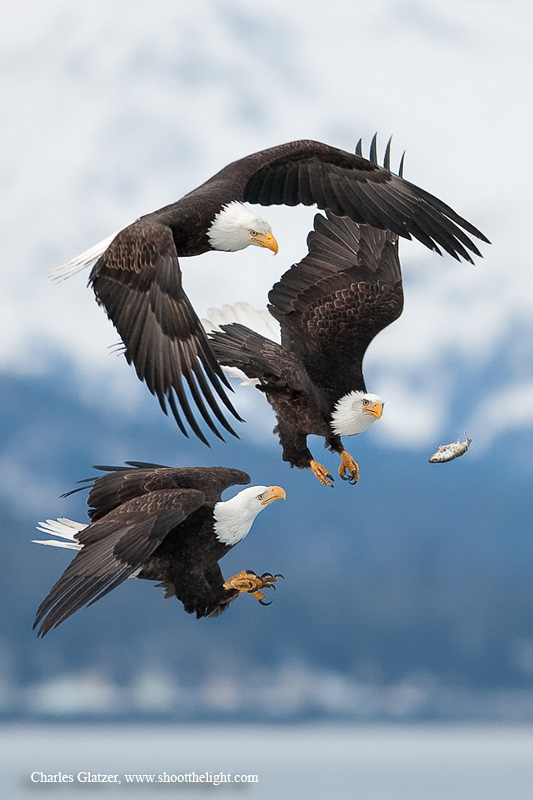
(113, 549)
(346, 184)
(336, 300)
(138, 478)
(138, 282)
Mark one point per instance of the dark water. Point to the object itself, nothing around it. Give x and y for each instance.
(364, 762)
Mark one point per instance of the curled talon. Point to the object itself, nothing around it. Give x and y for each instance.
(247, 582)
(348, 470)
(321, 473)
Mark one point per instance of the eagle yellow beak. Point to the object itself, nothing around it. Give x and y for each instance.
(266, 240)
(273, 493)
(376, 409)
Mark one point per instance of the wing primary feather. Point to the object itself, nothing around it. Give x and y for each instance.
(112, 585)
(443, 231)
(211, 400)
(136, 464)
(185, 407)
(374, 149)
(386, 159)
(193, 388)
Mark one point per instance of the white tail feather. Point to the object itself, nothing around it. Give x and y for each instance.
(65, 528)
(82, 261)
(235, 372)
(57, 543)
(258, 320)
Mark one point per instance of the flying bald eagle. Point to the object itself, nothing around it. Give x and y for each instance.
(329, 306)
(162, 524)
(137, 277)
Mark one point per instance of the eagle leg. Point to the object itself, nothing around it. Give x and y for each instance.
(247, 582)
(350, 466)
(321, 473)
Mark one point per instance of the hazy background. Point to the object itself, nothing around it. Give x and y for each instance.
(408, 597)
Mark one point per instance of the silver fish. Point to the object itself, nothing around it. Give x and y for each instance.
(447, 452)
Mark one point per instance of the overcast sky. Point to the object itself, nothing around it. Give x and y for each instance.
(108, 115)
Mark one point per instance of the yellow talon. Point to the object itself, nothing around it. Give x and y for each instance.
(243, 582)
(348, 465)
(250, 583)
(321, 473)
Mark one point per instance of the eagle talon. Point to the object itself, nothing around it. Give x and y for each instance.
(321, 473)
(247, 582)
(349, 469)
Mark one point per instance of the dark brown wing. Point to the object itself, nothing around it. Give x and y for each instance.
(344, 184)
(138, 282)
(138, 478)
(336, 300)
(113, 549)
(278, 371)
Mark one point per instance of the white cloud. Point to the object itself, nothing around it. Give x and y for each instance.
(507, 409)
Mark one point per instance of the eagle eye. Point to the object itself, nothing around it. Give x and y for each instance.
(253, 233)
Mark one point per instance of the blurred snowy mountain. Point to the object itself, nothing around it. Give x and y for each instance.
(415, 582)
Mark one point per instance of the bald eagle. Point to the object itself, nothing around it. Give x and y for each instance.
(162, 524)
(329, 306)
(137, 277)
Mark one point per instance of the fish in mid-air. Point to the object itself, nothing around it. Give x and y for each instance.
(447, 452)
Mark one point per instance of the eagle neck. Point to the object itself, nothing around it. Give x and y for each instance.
(232, 521)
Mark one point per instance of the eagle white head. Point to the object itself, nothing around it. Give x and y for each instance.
(234, 517)
(236, 227)
(355, 412)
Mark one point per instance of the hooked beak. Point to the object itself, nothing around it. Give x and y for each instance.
(274, 493)
(267, 240)
(376, 409)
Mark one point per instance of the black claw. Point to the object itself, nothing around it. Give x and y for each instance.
(264, 602)
(351, 478)
(279, 575)
(250, 572)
